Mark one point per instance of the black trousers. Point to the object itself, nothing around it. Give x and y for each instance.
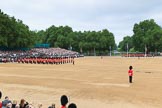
(130, 79)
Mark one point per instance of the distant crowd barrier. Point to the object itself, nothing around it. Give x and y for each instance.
(137, 55)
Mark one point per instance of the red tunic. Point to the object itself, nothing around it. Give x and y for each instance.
(63, 106)
(130, 72)
(0, 104)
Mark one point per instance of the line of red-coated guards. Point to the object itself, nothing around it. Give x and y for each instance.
(61, 60)
(46, 60)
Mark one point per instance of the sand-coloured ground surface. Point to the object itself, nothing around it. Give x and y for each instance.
(91, 83)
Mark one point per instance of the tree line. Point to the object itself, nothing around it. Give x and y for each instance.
(15, 34)
(147, 36)
(90, 42)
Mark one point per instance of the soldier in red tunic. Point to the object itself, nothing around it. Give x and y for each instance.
(130, 73)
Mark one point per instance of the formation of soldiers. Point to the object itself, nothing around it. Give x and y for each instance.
(55, 60)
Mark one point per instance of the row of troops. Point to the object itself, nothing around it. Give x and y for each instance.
(58, 60)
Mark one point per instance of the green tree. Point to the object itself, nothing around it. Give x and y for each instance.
(146, 33)
(127, 40)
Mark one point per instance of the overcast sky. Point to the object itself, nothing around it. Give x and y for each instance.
(118, 16)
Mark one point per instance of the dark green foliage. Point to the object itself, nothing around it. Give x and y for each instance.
(123, 44)
(84, 42)
(13, 33)
(146, 34)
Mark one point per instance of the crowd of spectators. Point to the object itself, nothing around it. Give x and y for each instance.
(39, 55)
(7, 103)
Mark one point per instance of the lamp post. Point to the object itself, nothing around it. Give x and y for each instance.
(110, 50)
(145, 50)
(127, 49)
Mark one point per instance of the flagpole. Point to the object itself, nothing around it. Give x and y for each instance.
(127, 49)
(145, 50)
(110, 50)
